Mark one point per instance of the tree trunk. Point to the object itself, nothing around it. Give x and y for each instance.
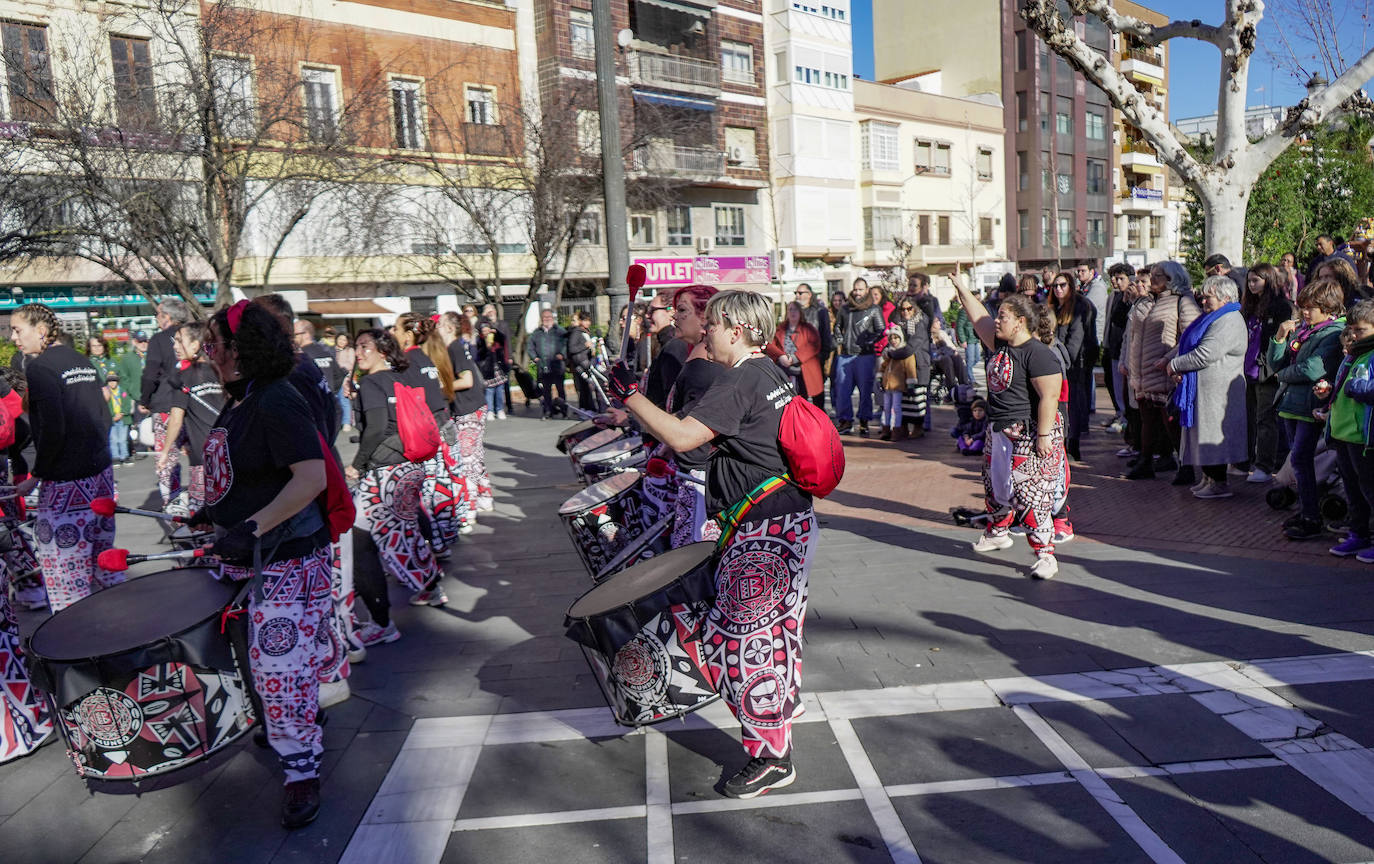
(1225, 209)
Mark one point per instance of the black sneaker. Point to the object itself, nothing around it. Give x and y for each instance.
(760, 775)
(863, 429)
(1184, 477)
(845, 427)
(301, 804)
(1292, 520)
(1167, 463)
(1305, 529)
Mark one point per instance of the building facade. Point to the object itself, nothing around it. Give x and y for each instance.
(1144, 219)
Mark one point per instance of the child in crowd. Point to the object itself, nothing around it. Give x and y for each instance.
(1348, 428)
(898, 373)
(121, 412)
(968, 435)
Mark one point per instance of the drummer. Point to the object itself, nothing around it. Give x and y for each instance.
(386, 531)
(264, 470)
(70, 423)
(751, 637)
(196, 400)
(469, 413)
(690, 522)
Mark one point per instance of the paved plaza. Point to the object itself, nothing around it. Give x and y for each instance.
(1191, 687)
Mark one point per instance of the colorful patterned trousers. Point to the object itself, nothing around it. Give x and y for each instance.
(388, 504)
(70, 537)
(169, 477)
(1020, 486)
(472, 453)
(195, 496)
(288, 639)
(690, 522)
(25, 719)
(334, 667)
(752, 637)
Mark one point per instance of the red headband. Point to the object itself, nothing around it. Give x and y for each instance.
(233, 315)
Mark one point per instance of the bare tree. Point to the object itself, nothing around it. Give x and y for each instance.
(1222, 185)
(1312, 36)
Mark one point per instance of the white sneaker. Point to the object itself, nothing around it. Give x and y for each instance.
(32, 598)
(373, 633)
(1237, 472)
(1214, 490)
(992, 543)
(500, 415)
(485, 505)
(467, 527)
(356, 654)
(1045, 567)
(1062, 536)
(333, 692)
(1259, 476)
(1126, 452)
(1200, 485)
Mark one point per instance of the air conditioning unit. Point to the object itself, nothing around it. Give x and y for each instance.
(735, 155)
(704, 244)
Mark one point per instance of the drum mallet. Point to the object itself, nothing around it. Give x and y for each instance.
(117, 560)
(108, 507)
(635, 278)
(658, 467)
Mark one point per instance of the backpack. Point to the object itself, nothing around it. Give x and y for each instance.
(415, 424)
(11, 406)
(336, 501)
(811, 447)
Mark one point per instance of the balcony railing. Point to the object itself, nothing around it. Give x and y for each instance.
(485, 139)
(669, 70)
(1130, 146)
(678, 160)
(1144, 55)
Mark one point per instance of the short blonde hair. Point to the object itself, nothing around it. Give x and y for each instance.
(749, 310)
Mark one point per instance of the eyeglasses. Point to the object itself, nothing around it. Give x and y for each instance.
(908, 308)
(653, 309)
(1061, 284)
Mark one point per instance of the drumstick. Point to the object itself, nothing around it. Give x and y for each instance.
(116, 560)
(657, 467)
(634, 278)
(107, 507)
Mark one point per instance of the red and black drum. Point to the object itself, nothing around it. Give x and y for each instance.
(576, 433)
(611, 527)
(620, 455)
(578, 451)
(184, 537)
(144, 676)
(640, 631)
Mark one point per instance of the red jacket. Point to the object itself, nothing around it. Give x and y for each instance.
(808, 343)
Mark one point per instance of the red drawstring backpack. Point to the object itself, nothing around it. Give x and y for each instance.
(415, 424)
(811, 446)
(335, 500)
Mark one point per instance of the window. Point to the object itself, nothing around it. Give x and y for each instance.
(481, 105)
(233, 80)
(932, 157)
(1021, 53)
(1157, 229)
(1097, 229)
(642, 230)
(882, 226)
(1022, 171)
(135, 98)
(1097, 129)
(1023, 228)
(1097, 181)
(878, 145)
(581, 33)
(1022, 121)
(943, 224)
(589, 132)
(1065, 232)
(679, 225)
(1134, 224)
(1063, 117)
(321, 121)
(589, 228)
(984, 163)
(985, 231)
(923, 229)
(737, 62)
(1046, 234)
(28, 71)
(729, 226)
(405, 109)
(1044, 112)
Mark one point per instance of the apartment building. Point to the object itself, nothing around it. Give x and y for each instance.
(690, 77)
(814, 143)
(1142, 211)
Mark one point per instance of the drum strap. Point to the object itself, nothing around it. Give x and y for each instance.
(733, 516)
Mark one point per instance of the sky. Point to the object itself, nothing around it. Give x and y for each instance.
(1189, 59)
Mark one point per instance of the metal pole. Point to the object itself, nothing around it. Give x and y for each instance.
(612, 162)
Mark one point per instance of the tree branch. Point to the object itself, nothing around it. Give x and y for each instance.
(1340, 96)
(1145, 32)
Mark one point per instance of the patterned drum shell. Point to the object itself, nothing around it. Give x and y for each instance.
(606, 518)
(575, 434)
(613, 458)
(598, 439)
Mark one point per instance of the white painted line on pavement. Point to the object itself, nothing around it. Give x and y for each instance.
(531, 820)
(1144, 836)
(978, 784)
(781, 799)
(890, 826)
(1131, 772)
(658, 799)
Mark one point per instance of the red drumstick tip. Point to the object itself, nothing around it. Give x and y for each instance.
(636, 276)
(656, 467)
(113, 560)
(103, 507)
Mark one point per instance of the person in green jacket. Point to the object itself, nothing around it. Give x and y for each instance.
(131, 370)
(121, 412)
(964, 333)
(98, 352)
(1348, 429)
(1302, 355)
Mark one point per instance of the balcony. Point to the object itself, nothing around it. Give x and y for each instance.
(485, 139)
(1140, 156)
(673, 72)
(672, 160)
(1142, 66)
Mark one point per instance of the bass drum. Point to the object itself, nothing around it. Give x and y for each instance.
(575, 434)
(611, 527)
(613, 458)
(640, 632)
(579, 451)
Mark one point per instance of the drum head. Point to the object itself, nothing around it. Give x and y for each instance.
(614, 450)
(576, 429)
(599, 493)
(132, 614)
(641, 580)
(591, 442)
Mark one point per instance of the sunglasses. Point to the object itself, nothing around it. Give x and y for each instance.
(1061, 284)
(908, 308)
(653, 309)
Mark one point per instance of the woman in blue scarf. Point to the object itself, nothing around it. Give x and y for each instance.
(1209, 368)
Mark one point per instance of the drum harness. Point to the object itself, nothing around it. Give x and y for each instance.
(733, 516)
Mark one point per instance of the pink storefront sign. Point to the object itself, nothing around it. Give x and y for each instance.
(707, 270)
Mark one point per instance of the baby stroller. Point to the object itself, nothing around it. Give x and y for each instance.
(1332, 504)
(963, 396)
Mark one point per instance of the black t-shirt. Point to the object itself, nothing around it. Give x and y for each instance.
(68, 414)
(158, 368)
(327, 362)
(1011, 396)
(424, 374)
(665, 369)
(250, 450)
(472, 399)
(744, 408)
(202, 405)
(309, 381)
(376, 417)
(696, 378)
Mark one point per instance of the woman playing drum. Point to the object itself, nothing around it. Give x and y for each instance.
(264, 470)
(751, 636)
(690, 522)
(386, 531)
(469, 411)
(71, 436)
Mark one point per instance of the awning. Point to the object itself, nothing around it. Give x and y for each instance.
(701, 10)
(347, 309)
(1148, 79)
(675, 101)
(1146, 169)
